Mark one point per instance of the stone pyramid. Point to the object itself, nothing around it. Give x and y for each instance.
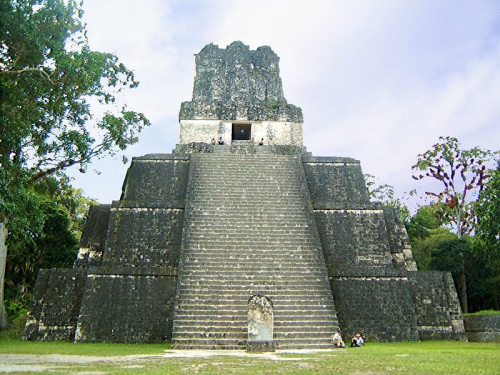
(240, 238)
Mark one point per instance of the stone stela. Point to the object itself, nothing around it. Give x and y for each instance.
(260, 324)
(241, 236)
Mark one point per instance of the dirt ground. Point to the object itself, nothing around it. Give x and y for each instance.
(48, 362)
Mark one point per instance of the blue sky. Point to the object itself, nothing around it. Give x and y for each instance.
(379, 81)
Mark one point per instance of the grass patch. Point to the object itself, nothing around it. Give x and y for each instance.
(13, 345)
(485, 312)
(430, 357)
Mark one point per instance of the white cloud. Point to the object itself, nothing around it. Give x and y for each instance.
(378, 81)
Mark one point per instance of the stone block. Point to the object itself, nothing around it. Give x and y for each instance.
(155, 183)
(143, 236)
(399, 242)
(127, 308)
(93, 237)
(336, 183)
(436, 306)
(54, 309)
(379, 308)
(483, 328)
(354, 240)
(261, 346)
(236, 83)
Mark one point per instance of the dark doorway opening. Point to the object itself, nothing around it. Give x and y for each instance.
(241, 132)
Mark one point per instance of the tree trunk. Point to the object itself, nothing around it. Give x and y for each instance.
(3, 262)
(462, 292)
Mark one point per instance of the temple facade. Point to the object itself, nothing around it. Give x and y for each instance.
(241, 238)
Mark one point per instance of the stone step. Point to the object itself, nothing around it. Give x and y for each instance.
(223, 304)
(243, 278)
(238, 296)
(254, 268)
(208, 343)
(193, 335)
(254, 284)
(241, 212)
(251, 290)
(279, 331)
(279, 326)
(241, 315)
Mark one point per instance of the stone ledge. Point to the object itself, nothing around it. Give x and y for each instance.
(372, 207)
(146, 205)
(483, 328)
(368, 274)
(309, 159)
(261, 346)
(111, 269)
(162, 157)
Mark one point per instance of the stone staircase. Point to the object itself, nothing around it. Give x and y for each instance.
(249, 230)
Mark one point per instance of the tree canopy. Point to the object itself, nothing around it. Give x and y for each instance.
(49, 81)
(488, 210)
(51, 85)
(460, 172)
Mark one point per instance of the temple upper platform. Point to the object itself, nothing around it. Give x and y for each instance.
(238, 95)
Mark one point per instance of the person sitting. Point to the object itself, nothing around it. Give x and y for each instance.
(357, 341)
(221, 142)
(337, 340)
(261, 142)
(213, 141)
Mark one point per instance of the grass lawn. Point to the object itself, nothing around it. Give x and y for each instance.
(431, 357)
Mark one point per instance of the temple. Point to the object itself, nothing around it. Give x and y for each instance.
(240, 238)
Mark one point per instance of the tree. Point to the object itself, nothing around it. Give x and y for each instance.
(488, 210)
(461, 173)
(453, 256)
(486, 247)
(60, 191)
(50, 81)
(385, 195)
(420, 225)
(55, 246)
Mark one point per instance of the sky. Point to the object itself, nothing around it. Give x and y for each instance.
(377, 80)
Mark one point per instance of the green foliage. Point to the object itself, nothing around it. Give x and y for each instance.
(48, 79)
(55, 246)
(461, 173)
(424, 247)
(485, 312)
(488, 211)
(51, 84)
(483, 275)
(385, 194)
(60, 191)
(427, 218)
(451, 255)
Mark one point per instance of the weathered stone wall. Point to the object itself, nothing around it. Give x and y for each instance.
(54, 309)
(378, 307)
(130, 297)
(437, 308)
(144, 237)
(354, 241)
(127, 308)
(336, 183)
(236, 83)
(155, 181)
(273, 132)
(130, 251)
(399, 242)
(483, 328)
(93, 237)
(368, 256)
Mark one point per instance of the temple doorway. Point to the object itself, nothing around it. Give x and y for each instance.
(242, 132)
